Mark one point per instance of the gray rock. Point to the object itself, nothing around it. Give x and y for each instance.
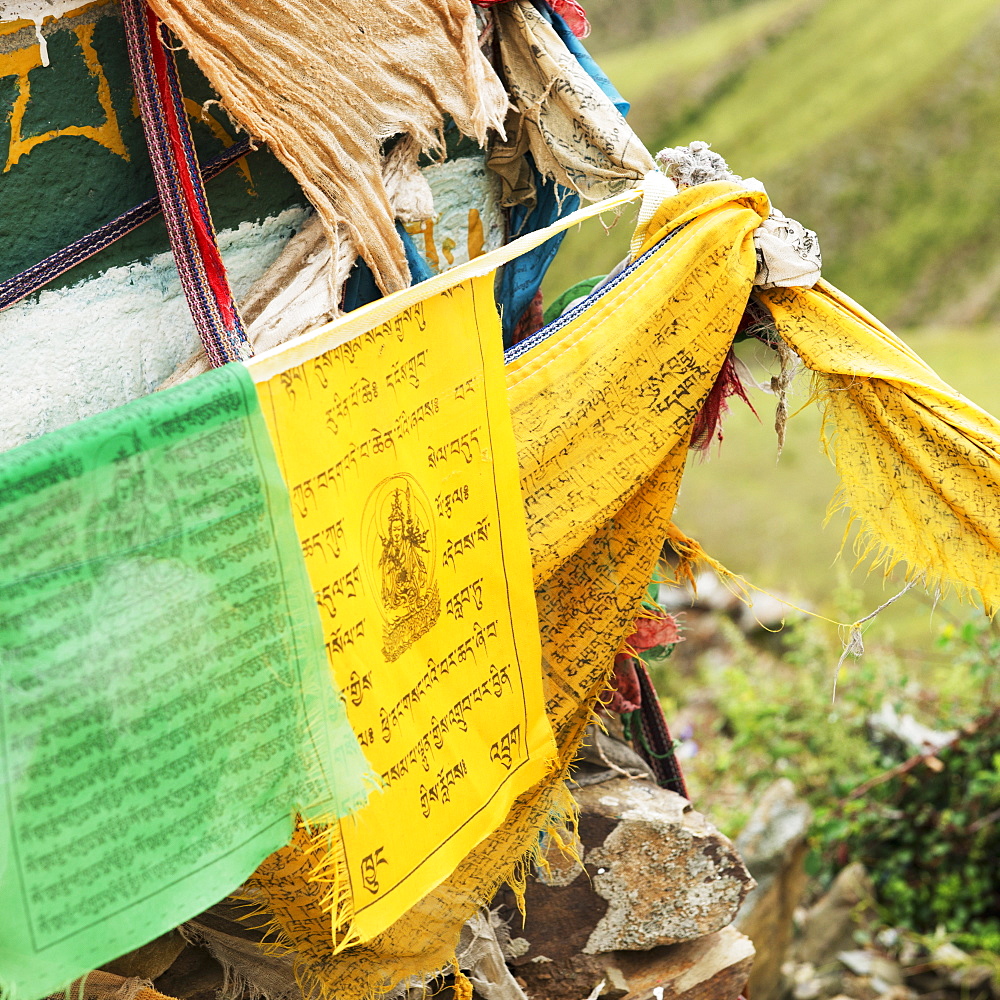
(915, 736)
(604, 757)
(962, 971)
(832, 923)
(778, 824)
(714, 967)
(773, 846)
(654, 873)
(883, 972)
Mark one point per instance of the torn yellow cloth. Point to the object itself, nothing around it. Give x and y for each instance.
(602, 413)
(326, 84)
(919, 463)
(99, 985)
(603, 404)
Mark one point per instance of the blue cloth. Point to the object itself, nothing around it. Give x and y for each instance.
(360, 287)
(586, 60)
(521, 278)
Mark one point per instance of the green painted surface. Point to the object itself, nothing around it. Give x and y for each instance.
(68, 185)
(63, 94)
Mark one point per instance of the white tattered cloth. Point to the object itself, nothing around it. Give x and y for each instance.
(788, 254)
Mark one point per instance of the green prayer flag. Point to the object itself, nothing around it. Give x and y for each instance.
(165, 701)
(558, 306)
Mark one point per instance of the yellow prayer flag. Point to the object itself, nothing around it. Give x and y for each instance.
(603, 401)
(601, 410)
(395, 439)
(919, 464)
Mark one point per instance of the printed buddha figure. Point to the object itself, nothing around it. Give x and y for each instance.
(404, 572)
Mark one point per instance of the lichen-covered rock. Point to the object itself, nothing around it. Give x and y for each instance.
(654, 873)
(666, 873)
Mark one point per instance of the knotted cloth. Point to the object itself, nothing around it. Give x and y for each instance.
(919, 463)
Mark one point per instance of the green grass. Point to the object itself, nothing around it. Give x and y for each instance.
(836, 71)
(644, 71)
(616, 28)
(874, 124)
(589, 249)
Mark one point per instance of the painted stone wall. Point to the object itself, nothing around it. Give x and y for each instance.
(72, 157)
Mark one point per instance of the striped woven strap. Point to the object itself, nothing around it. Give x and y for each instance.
(36, 277)
(179, 184)
(657, 749)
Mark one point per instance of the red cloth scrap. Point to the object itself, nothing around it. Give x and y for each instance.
(624, 695)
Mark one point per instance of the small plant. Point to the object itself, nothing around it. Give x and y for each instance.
(930, 837)
(927, 828)
(772, 716)
(975, 647)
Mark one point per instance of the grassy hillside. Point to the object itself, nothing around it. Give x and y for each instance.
(878, 125)
(616, 27)
(875, 124)
(671, 77)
